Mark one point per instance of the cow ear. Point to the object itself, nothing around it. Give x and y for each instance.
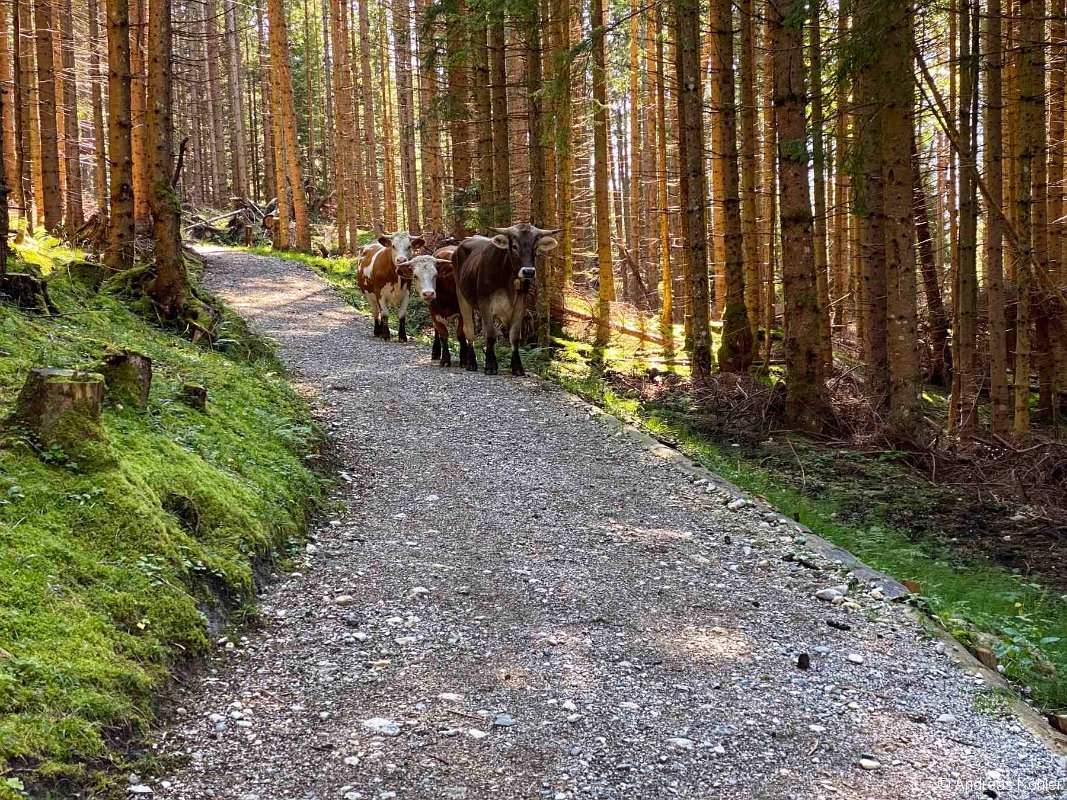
(501, 241)
(546, 244)
(385, 241)
(418, 241)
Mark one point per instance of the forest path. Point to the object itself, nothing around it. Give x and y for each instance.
(514, 601)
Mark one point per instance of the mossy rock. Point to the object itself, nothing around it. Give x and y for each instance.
(88, 274)
(129, 378)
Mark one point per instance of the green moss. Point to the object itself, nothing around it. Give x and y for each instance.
(108, 575)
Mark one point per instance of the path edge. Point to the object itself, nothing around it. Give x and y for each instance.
(1030, 718)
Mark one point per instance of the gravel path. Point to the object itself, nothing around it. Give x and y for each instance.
(512, 600)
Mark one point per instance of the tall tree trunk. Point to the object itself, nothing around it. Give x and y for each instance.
(406, 111)
(370, 160)
(606, 289)
(7, 78)
(498, 78)
(120, 234)
(941, 357)
(170, 287)
(819, 170)
(234, 80)
(687, 34)
(138, 110)
(637, 178)
(283, 110)
(458, 92)
(902, 328)
(52, 199)
(735, 350)
(430, 129)
(215, 110)
(482, 118)
(966, 382)
(749, 163)
(538, 200)
(993, 253)
(869, 29)
(389, 185)
(770, 191)
(26, 108)
(840, 250)
(666, 274)
(96, 79)
(804, 363)
(74, 211)
(564, 142)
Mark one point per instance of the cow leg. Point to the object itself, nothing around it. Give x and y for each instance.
(466, 345)
(402, 313)
(514, 337)
(440, 343)
(491, 365)
(435, 353)
(386, 335)
(460, 334)
(375, 310)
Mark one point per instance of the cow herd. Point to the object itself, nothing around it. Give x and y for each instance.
(487, 274)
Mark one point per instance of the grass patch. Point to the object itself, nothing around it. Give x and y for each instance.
(114, 572)
(879, 511)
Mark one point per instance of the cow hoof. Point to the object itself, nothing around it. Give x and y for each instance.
(491, 370)
(518, 372)
(446, 362)
(403, 337)
(472, 365)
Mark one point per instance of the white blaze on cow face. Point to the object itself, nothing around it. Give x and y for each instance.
(424, 269)
(401, 243)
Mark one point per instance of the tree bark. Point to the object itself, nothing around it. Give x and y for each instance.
(666, 318)
(481, 112)
(406, 111)
(804, 363)
(430, 127)
(458, 92)
(120, 236)
(51, 199)
(170, 287)
(993, 253)
(370, 159)
(235, 82)
(749, 163)
(687, 37)
(735, 350)
(73, 208)
(99, 134)
(284, 112)
(606, 287)
(138, 110)
(819, 185)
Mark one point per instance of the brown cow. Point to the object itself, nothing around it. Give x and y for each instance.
(494, 275)
(384, 277)
(435, 281)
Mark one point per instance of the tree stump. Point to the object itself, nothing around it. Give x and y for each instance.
(87, 273)
(195, 396)
(129, 378)
(60, 407)
(27, 291)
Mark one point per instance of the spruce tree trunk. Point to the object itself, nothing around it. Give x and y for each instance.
(458, 91)
(606, 288)
(170, 287)
(736, 349)
(690, 112)
(840, 244)
(804, 363)
(286, 121)
(235, 82)
(215, 109)
(120, 233)
(666, 319)
(749, 164)
(564, 143)
(8, 79)
(498, 78)
(770, 192)
(992, 251)
(138, 99)
(51, 198)
(99, 135)
(482, 120)
(819, 185)
(430, 127)
(389, 185)
(406, 111)
(73, 208)
(370, 157)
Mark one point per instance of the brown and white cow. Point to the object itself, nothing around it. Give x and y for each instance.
(494, 275)
(435, 281)
(384, 277)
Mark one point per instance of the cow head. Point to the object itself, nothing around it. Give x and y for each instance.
(401, 244)
(523, 242)
(424, 270)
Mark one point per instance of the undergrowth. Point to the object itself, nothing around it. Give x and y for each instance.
(114, 573)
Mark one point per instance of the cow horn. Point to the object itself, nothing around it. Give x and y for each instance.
(549, 231)
(503, 231)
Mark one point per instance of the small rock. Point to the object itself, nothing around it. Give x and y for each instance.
(344, 600)
(855, 658)
(474, 733)
(383, 726)
(831, 593)
(450, 697)
(947, 719)
(681, 742)
(737, 505)
(568, 705)
(803, 661)
(870, 763)
(503, 721)
(141, 788)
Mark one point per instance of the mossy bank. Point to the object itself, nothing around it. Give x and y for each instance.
(120, 557)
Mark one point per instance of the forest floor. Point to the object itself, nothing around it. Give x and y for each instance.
(512, 599)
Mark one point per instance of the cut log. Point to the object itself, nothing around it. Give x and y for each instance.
(60, 407)
(129, 378)
(27, 291)
(195, 396)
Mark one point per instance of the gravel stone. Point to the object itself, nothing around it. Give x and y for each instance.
(565, 561)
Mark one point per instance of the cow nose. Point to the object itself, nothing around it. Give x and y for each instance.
(527, 273)
(429, 295)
